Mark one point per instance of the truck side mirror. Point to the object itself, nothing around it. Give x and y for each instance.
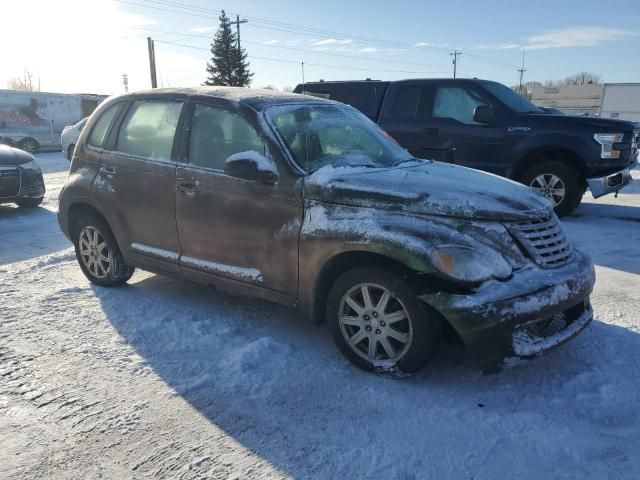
(484, 114)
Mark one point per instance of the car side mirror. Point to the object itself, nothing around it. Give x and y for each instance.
(484, 114)
(253, 166)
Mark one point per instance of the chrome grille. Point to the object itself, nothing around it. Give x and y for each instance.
(544, 240)
(9, 181)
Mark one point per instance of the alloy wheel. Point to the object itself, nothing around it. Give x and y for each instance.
(375, 323)
(551, 186)
(94, 252)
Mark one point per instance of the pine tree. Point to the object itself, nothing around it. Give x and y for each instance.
(228, 66)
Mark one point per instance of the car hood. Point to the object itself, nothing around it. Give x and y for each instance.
(14, 156)
(428, 188)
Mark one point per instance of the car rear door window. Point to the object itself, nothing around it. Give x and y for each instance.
(457, 103)
(216, 134)
(406, 102)
(101, 128)
(149, 129)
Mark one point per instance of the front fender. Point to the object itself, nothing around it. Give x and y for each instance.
(329, 230)
(541, 142)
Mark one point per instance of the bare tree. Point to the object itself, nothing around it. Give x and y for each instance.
(24, 83)
(583, 78)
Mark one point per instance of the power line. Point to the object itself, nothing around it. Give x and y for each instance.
(195, 47)
(304, 50)
(274, 25)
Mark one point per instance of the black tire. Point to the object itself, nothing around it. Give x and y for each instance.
(119, 271)
(70, 151)
(425, 324)
(573, 187)
(29, 202)
(29, 145)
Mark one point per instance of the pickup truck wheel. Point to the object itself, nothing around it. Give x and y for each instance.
(98, 254)
(559, 183)
(379, 324)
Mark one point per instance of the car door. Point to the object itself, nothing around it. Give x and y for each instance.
(136, 182)
(403, 117)
(238, 234)
(450, 112)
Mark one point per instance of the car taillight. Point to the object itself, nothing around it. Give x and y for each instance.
(390, 136)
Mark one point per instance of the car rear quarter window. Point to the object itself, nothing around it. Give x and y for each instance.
(216, 134)
(101, 128)
(149, 129)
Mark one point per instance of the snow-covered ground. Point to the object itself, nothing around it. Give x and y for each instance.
(166, 379)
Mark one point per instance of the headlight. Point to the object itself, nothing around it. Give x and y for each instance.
(466, 264)
(607, 140)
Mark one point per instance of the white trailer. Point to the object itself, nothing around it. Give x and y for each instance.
(34, 120)
(621, 101)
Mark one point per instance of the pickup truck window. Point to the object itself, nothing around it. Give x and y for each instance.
(336, 135)
(510, 98)
(456, 103)
(406, 103)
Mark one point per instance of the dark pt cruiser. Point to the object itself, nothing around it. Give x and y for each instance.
(307, 203)
(20, 178)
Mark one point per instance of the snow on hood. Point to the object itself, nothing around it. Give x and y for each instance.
(14, 156)
(429, 188)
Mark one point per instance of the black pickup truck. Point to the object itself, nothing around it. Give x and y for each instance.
(487, 126)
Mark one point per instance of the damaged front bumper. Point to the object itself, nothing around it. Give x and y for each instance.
(534, 310)
(613, 182)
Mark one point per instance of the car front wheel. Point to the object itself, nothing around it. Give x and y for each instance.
(98, 254)
(379, 324)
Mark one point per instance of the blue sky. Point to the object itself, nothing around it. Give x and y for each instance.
(391, 40)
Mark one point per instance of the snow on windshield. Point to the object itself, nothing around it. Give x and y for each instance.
(336, 135)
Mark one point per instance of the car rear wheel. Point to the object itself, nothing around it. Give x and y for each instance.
(379, 324)
(98, 254)
(29, 145)
(29, 202)
(559, 183)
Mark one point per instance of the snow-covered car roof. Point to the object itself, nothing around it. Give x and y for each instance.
(258, 99)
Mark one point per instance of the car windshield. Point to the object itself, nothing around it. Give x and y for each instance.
(511, 99)
(336, 135)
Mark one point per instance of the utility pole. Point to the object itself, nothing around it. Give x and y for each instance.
(125, 82)
(455, 54)
(238, 22)
(522, 70)
(152, 62)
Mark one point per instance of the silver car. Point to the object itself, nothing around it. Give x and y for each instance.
(69, 137)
